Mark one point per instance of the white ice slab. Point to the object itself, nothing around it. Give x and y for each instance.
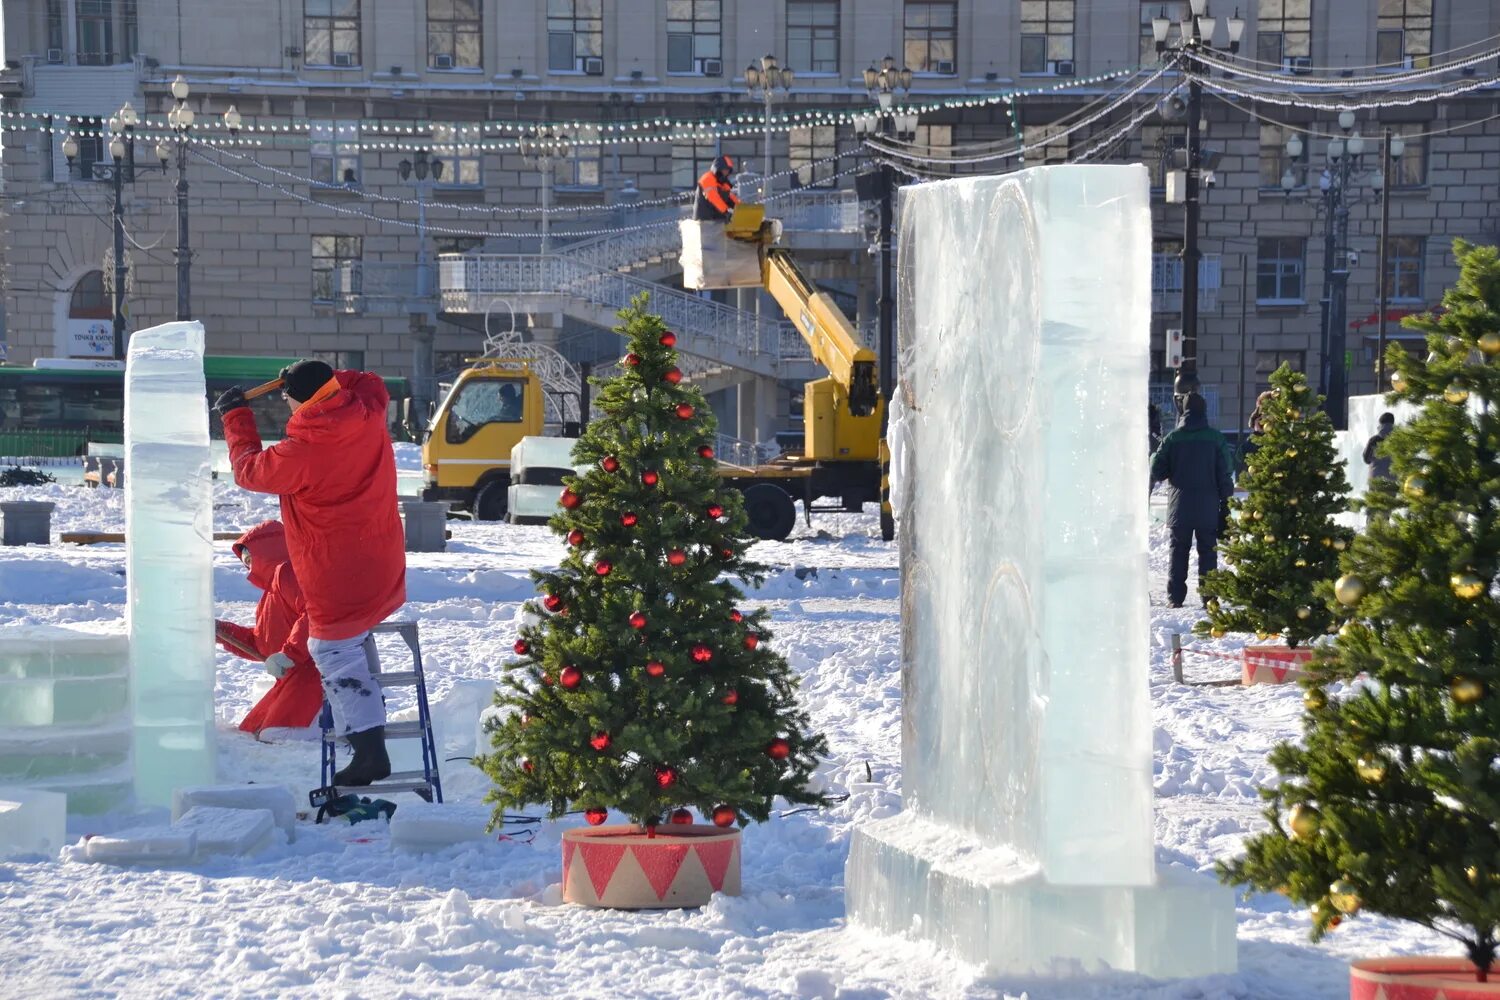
(277, 799)
(710, 259)
(1019, 483)
(32, 821)
(229, 831)
(542, 453)
(169, 560)
(532, 504)
(145, 845)
(431, 826)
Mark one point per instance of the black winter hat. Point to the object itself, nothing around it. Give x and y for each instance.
(1197, 406)
(305, 378)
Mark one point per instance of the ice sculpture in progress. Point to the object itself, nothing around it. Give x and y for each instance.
(169, 561)
(1019, 448)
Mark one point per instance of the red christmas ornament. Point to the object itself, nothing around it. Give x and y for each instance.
(752, 640)
(672, 376)
(650, 478)
(676, 557)
(702, 654)
(655, 668)
(575, 537)
(569, 499)
(522, 647)
(685, 411)
(732, 698)
(715, 511)
(570, 677)
(726, 553)
(705, 451)
(632, 359)
(628, 519)
(666, 777)
(527, 765)
(725, 815)
(668, 339)
(609, 463)
(546, 680)
(637, 620)
(681, 816)
(600, 741)
(596, 817)
(602, 567)
(735, 616)
(552, 602)
(778, 749)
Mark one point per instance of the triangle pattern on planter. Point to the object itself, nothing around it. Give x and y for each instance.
(568, 848)
(661, 865)
(601, 860)
(715, 857)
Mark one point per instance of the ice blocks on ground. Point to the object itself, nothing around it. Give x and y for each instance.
(144, 845)
(430, 826)
(228, 831)
(1018, 478)
(169, 560)
(32, 821)
(276, 799)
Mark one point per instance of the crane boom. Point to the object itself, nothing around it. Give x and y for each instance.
(834, 342)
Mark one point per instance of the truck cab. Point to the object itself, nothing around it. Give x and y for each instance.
(467, 444)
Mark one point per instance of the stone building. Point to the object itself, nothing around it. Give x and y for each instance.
(305, 234)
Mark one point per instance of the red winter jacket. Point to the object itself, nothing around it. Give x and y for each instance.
(336, 474)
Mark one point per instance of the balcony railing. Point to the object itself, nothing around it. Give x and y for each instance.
(1166, 282)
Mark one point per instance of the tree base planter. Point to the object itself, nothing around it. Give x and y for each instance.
(1418, 979)
(1274, 664)
(624, 868)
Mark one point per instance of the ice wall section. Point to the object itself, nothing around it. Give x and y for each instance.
(1019, 469)
(168, 563)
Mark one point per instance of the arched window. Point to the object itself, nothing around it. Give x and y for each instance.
(89, 300)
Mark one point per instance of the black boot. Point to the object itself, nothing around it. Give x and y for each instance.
(370, 763)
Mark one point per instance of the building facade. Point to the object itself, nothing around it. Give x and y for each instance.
(305, 235)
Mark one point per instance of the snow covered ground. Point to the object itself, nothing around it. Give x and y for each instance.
(339, 913)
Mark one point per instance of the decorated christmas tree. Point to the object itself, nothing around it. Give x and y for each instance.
(1391, 802)
(641, 685)
(1282, 542)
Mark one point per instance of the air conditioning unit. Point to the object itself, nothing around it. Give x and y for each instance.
(593, 66)
(442, 61)
(1063, 67)
(712, 67)
(943, 67)
(54, 56)
(1408, 62)
(1301, 65)
(343, 58)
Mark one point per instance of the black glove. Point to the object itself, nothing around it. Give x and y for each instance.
(232, 399)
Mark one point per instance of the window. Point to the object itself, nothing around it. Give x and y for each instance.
(342, 360)
(335, 152)
(462, 163)
(690, 159)
(89, 300)
(91, 311)
(482, 402)
(129, 31)
(1042, 147)
(575, 33)
(1411, 169)
(812, 35)
(457, 244)
(330, 33)
(929, 36)
(57, 32)
(1175, 11)
(1278, 270)
(336, 268)
(92, 146)
(1283, 30)
(582, 164)
(1274, 161)
(693, 35)
(1403, 267)
(1046, 35)
(934, 140)
(454, 30)
(1267, 362)
(1403, 33)
(807, 147)
(95, 24)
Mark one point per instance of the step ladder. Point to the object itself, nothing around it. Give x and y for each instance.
(426, 782)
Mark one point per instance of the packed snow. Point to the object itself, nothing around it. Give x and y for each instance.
(339, 912)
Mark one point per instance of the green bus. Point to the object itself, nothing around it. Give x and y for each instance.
(56, 407)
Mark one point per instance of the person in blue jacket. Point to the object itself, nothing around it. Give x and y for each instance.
(1195, 460)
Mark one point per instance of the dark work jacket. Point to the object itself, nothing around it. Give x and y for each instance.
(1380, 465)
(1195, 459)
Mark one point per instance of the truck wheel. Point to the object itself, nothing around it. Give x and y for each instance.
(770, 511)
(492, 500)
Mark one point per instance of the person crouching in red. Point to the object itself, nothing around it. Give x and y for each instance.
(279, 638)
(335, 472)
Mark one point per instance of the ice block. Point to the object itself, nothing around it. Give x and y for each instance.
(228, 831)
(1019, 480)
(32, 821)
(169, 560)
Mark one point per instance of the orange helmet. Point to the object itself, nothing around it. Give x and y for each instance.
(723, 164)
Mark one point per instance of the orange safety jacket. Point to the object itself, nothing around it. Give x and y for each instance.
(715, 199)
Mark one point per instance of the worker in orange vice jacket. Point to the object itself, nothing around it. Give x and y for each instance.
(715, 199)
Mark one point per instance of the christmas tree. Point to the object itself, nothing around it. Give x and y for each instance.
(1391, 802)
(1282, 542)
(640, 685)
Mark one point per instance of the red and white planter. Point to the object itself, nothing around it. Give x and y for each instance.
(1418, 979)
(626, 868)
(1274, 664)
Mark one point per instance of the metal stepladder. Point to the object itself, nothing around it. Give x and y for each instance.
(426, 782)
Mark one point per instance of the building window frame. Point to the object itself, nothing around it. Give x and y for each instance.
(1403, 34)
(334, 145)
(455, 35)
(1053, 147)
(1047, 28)
(1281, 271)
(1406, 268)
(1410, 171)
(93, 148)
(1286, 24)
(1273, 155)
(577, 25)
(812, 36)
(929, 30)
(463, 163)
(698, 25)
(582, 168)
(331, 252)
(330, 29)
(691, 159)
(807, 149)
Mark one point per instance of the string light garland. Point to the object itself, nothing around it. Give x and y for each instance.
(1386, 101)
(1385, 81)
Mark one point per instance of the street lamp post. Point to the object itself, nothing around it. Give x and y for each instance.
(540, 150)
(1394, 146)
(762, 81)
(180, 118)
(122, 150)
(1196, 35)
(422, 172)
(883, 85)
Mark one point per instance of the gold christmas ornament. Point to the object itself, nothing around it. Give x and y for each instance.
(1489, 343)
(1348, 630)
(1471, 871)
(1291, 501)
(1216, 632)
(1348, 589)
(1344, 895)
(1328, 543)
(1371, 767)
(1466, 690)
(1456, 394)
(1279, 475)
(1339, 545)
(1304, 613)
(1291, 453)
(1415, 486)
(1466, 585)
(1398, 382)
(1268, 539)
(1294, 414)
(1256, 515)
(1300, 563)
(1305, 821)
(1262, 636)
(1314, 700)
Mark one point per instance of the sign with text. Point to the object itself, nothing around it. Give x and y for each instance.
(90, 338)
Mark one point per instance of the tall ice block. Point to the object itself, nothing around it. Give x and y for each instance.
(1019, 477)
(169, 554)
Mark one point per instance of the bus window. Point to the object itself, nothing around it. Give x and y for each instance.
(484, 401)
